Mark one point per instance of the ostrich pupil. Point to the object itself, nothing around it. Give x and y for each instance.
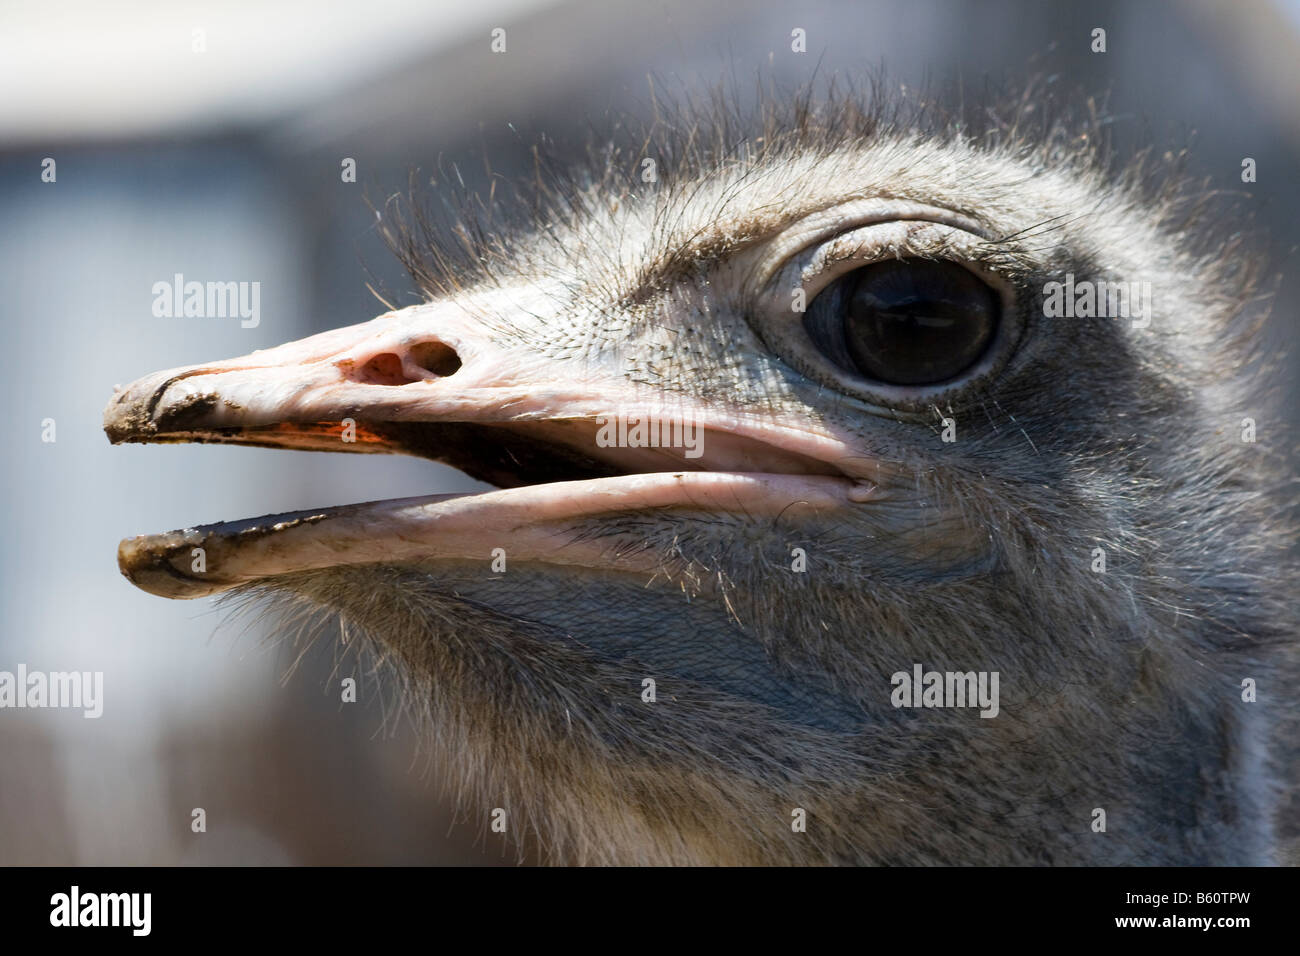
(910, 321)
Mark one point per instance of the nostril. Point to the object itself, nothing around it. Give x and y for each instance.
(437, 358)
(383, 369)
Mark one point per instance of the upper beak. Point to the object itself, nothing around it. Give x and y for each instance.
(438, 380)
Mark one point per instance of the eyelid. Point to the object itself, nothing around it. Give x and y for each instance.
(770, 258)
(865, 245)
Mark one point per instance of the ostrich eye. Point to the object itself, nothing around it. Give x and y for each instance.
(904, 322)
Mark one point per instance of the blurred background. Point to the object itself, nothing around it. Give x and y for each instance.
(207, 139)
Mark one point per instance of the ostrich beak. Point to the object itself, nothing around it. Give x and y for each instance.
(435, 381)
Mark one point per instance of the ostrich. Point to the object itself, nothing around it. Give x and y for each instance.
(770, 436)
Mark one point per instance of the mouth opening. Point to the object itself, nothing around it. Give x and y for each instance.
(510, 456)
(544, 487)
(551, 476)
(495, 454)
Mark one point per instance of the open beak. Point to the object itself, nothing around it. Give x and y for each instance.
(565, 441)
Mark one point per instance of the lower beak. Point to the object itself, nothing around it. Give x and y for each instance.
(431, 381)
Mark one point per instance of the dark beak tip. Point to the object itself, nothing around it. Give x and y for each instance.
(151, 568)
(124, 423)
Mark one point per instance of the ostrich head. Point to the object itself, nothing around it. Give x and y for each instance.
(795, 420)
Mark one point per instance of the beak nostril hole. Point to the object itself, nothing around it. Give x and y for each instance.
(388, 368)
(383, 369)
(437, 358)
